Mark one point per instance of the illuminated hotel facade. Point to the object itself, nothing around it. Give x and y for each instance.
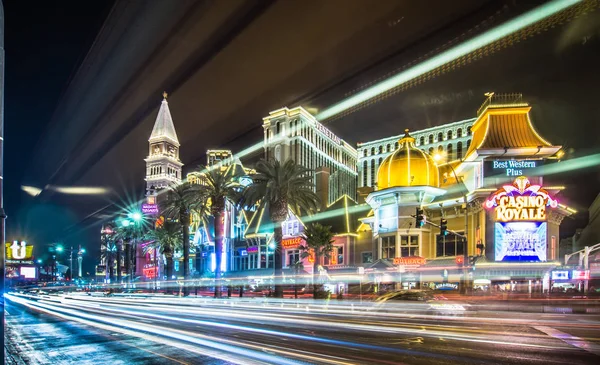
(502, 219)
(452, 140)
(296, 134)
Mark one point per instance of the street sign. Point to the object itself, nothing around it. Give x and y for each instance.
(149, 208)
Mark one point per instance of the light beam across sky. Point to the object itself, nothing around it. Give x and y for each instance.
(463, 49)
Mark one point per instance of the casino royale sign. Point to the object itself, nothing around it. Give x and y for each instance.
(520, 201)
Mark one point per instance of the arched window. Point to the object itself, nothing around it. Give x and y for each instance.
(387, 148)
(277, 126)
(459, 133)
(431, 138)
(468, 145)
(449, 152)
(396, 146)
(440, 137)
(459, 150)
(373, 172)
(431, 151)
(440, 149)
(365, 173)
(422, 140)
(449, 135)
(469, 130)
(380, 149)
(372, 151)
(365, 152)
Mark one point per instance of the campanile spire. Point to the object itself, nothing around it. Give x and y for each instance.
(163, 166)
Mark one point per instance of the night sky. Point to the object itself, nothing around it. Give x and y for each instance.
(45, 43)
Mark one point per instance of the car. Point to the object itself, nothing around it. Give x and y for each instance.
(410, 295)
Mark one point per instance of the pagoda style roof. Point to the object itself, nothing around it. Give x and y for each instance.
(163, 126)
(506, 128)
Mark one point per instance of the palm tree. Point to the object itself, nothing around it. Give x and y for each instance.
(180, 200)
(127, 237)
(319, 241)
(218, 187)
(167, 239)
(280, 187)
(108, 255)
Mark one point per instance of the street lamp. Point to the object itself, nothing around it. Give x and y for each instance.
(80, 251)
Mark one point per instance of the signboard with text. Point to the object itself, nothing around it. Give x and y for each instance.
(149, 208)
(409, 261)
(17, 251)
(520, 231)
(510, 168)
(292, 242)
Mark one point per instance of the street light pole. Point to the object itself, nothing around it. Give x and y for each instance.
(71, 263)
(2, 214)
(466, 235)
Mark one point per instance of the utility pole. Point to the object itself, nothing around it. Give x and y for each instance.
(2, 214)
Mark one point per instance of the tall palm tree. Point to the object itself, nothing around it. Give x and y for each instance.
(280, 187)
(318, 242)
(180, 200)
(168, 237)
(109, 255)
(220, 186)
(127, 238)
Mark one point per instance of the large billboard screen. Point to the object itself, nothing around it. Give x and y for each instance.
(520, 241)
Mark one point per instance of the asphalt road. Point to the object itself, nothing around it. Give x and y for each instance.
(157, 330)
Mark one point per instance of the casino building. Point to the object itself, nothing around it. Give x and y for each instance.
(491, 219)
(296, 134)
(502, 218)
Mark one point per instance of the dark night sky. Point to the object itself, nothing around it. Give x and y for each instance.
(46, 41)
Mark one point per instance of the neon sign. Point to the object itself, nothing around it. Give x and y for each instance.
(409, 260)
(520, 201)
(512, 168)
(291, 242)
(149, 208)
(18, 251)
(581, 274)
(520, 241)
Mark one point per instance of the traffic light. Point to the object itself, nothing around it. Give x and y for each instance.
(460, 260)
(443, 227)
(420, 218)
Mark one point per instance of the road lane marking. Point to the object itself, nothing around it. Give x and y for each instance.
(594, 348)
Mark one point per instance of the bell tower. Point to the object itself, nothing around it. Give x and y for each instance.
(163, 167)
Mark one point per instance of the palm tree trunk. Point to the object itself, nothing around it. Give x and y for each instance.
(277, 235)
(316, 275)
(119, 263)
(185, 224)
(133, 258)
(169, 271)
(219, 231)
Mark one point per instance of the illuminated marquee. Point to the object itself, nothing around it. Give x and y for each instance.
(520, 201)
(18, 251)
(293, 242)
(409, 260)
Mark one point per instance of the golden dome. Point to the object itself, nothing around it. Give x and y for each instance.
(408, 166)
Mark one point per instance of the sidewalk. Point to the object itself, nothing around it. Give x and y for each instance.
(11, 349)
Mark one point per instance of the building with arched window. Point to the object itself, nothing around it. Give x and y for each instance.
(445, 149)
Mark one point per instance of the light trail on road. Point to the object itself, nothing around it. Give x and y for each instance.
(297, 332)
